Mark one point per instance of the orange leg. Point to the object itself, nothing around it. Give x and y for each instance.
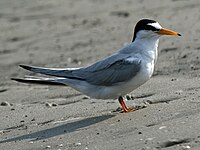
(125, 109)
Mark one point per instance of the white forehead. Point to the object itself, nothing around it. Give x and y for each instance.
(155, 25)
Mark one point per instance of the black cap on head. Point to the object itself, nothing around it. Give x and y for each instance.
(143, 25)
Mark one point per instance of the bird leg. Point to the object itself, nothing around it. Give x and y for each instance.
(125, 109)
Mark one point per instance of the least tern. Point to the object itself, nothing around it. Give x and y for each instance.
(116, 75)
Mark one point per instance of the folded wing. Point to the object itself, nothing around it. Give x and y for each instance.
(103, 73)
(119, 71)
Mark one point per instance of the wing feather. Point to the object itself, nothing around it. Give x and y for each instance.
(119, 71)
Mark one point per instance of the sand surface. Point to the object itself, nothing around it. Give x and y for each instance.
(74, 33)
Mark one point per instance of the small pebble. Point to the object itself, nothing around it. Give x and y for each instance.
(5, 103)
(162, 127)
(149, 102)
(186, 147)
(173, 79)
(77, 144)
(85, 97)
(128, 97)
(48, 104)
(51, 104)
(132, 97)
(150, 139)
(54, 104)
(184, 56)
(48, 146)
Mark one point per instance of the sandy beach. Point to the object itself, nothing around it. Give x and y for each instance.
(75, 33)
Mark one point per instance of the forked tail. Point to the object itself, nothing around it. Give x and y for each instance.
(64, 72)
(40, 80)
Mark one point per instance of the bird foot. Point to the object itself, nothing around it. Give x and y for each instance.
(125, 109)
(129, 110)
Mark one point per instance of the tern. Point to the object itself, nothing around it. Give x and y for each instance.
(116, 75)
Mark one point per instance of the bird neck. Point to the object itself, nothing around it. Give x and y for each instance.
(148, 47)
(147, 44)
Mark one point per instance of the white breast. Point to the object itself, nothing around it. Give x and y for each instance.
(146, 51)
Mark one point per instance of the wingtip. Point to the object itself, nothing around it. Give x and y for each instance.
(22, 80)
(25, 67)
(16, 79)
(12, 78)
(42, 81)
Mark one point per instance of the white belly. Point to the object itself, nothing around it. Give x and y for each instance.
(123, 88)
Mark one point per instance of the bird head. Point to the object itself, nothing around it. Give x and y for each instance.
(146, 28)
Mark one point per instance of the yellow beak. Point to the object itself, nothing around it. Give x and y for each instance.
(164, 31)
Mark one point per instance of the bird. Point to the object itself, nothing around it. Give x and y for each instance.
(114, 76)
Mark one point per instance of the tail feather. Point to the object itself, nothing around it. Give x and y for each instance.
(65, 72)
(40, 80)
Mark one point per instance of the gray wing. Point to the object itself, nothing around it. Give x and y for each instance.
(109, 71)
(119, 71)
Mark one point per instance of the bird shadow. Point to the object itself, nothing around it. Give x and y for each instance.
(59, 130)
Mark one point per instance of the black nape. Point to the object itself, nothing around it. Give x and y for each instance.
(143, 25)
